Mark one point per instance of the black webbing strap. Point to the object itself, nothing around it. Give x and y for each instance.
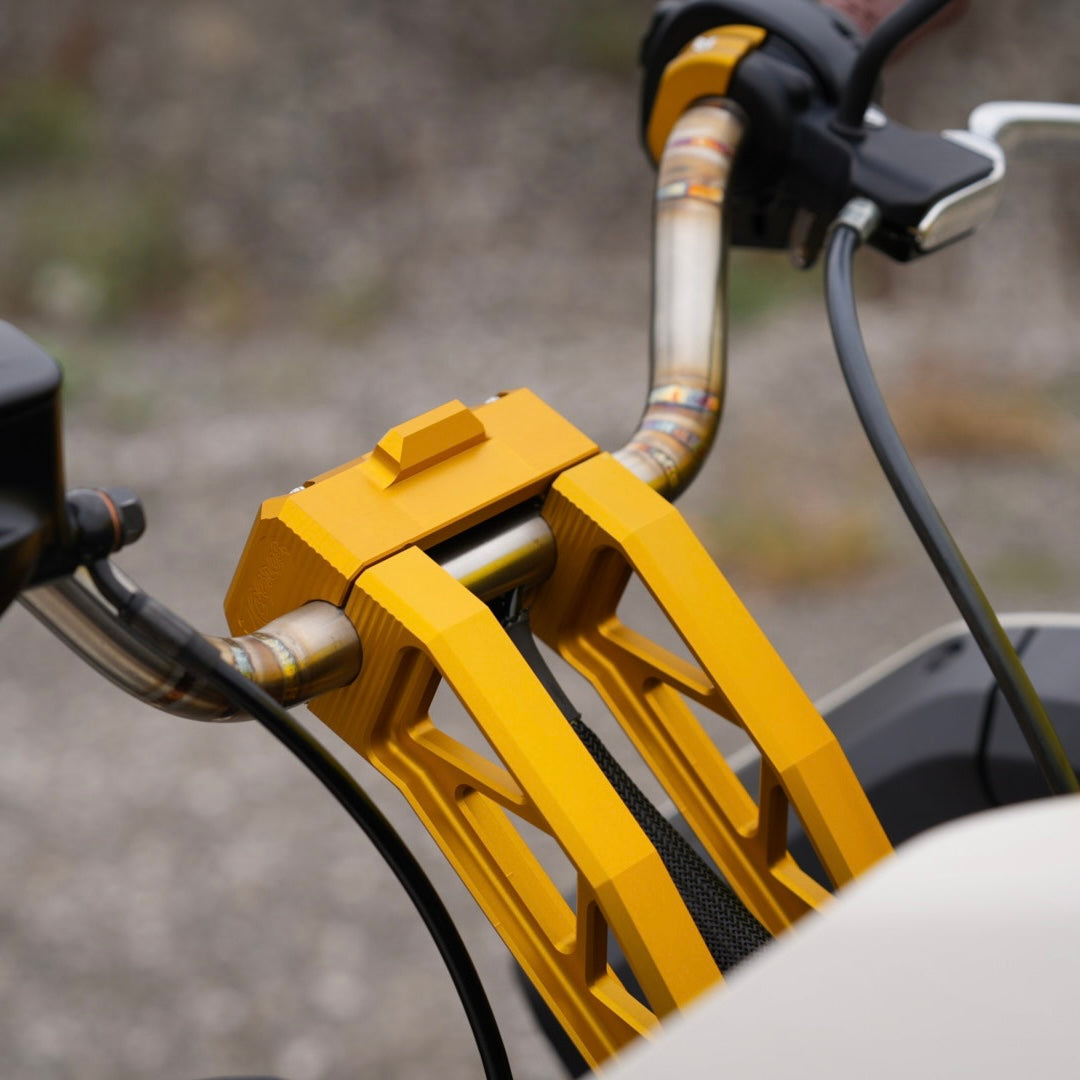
(729, 930)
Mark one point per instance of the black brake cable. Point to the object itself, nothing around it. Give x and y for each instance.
(855, 224)
(878, 47)
(173, 636)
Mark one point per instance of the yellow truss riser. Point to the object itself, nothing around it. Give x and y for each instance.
(356, 536)
(608, 524)
(427, 627)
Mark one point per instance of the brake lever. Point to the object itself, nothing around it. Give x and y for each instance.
(1011, 124)
(796, 70)
(993, 128)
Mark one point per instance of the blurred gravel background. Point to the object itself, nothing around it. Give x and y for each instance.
(257, 235)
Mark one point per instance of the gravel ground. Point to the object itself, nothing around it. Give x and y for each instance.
(179, 900)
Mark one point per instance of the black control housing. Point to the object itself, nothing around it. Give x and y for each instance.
(798, 166)
(32, 512)
(46, 531)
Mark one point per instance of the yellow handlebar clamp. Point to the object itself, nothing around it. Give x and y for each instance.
(703, 69)
(426, 481)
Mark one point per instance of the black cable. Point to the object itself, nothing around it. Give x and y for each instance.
(986, 730)
(859, 88)
(186, 645)
(982, 750)
(729, 929)
(976, 610)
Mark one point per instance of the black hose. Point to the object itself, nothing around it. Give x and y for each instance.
(187, 646)
(976, 610)
(859, 88)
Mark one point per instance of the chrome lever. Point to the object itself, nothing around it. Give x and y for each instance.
(1012, 123)
(993, 128)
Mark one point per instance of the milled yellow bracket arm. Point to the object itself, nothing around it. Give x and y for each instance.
(608, 524)
(424, 626)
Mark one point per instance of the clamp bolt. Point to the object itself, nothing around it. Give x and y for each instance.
(129, 510)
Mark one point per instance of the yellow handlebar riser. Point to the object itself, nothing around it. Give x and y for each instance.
(607, 525)
(420, 626)
(355, 537)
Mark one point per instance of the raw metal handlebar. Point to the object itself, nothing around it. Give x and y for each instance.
(307, 652)
(689, 313)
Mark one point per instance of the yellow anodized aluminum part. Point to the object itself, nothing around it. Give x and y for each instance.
(419, 626)
(428, 479)
(355, 537)
(607, 524)
(703, 69)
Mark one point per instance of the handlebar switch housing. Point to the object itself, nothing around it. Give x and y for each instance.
(798, 165)
(32, 514)
(46, 531)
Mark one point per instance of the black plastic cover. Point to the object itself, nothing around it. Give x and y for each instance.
(32, 512)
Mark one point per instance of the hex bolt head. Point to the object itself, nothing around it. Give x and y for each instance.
(131, 514)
